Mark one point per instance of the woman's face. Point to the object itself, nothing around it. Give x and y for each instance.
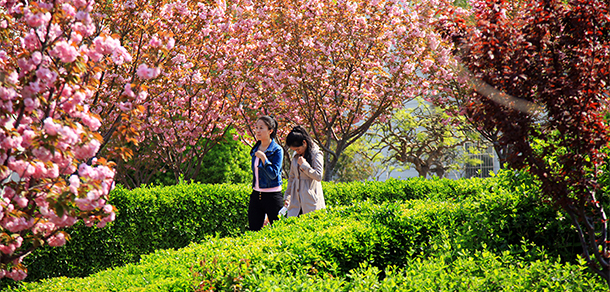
(261, 131)
(300, 150)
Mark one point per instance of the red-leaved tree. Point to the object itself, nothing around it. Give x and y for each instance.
(548, 64)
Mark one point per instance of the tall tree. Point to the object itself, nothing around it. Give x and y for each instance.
(549, 62)
(50, 177)
(339, 67)
(425, 137)
(192, 59)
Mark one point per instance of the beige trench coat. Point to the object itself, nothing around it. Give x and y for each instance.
(304, 189)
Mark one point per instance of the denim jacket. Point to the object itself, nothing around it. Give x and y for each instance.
(270, 171)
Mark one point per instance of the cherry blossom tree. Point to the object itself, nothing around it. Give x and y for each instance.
(540, 71)
(50, 64)
(339, 67)
(192, 58)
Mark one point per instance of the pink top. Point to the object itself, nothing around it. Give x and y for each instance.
(256, 187)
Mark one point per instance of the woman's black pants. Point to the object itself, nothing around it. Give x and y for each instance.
(262, 203)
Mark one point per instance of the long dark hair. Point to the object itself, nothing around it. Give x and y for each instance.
(295, 139)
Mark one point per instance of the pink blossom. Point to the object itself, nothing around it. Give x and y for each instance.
(125, 106)
(170, 43)
(8, 106)
(104, 173)
(154, 42)
(106, 45)
(50, 126)
(21, 201)
(128, 91)
(53, 172)
(433, 43)
(7, 249)
(74, 184)
(69, 10)
(68, 135)
(31, 41)
(30, 103)
(65, 52)
(85, 170)
(54, 31)
(120, 56)
(142, 95)
(58, 239)
(426, 64)
(76, 37)
(197, 78)
(25, 65)
(84, 17)
(38, 19)
(34, 87)
(91, 53)
(46, 75)
(88, 150)
(17, 274)
(9, 193)
(36, 58)
(145, 72)
(106, 219)
(84, 29)
(18, 166)
(40, 170)
(16, 224)
(11, 142)
(67, 90)
(92, 122)
(28, 137)
(79, 3)
(42, 153)
(7, 93)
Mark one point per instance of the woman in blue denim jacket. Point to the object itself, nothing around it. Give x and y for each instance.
(267, 156)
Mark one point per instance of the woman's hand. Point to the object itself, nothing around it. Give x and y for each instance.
(261, 155)
(300, 160)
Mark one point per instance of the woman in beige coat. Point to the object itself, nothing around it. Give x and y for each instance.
(304, 190)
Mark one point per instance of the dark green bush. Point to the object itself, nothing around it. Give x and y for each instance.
(509, 212)
(394, 190)
(148, 219)
(352, 248)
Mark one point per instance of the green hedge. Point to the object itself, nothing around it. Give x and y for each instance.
(152, 218)
(147, 219)
(417, 245)
(337, 194)
(155, 218)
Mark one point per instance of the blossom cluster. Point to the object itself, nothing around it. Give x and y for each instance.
(50, 177)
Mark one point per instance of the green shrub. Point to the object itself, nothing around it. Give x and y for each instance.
(418, 245)
(148, 219)
(501, 212)
(394, 190)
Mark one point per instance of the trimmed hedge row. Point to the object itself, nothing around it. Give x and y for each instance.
(154, 218)
(417, 245)
(148, 219)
